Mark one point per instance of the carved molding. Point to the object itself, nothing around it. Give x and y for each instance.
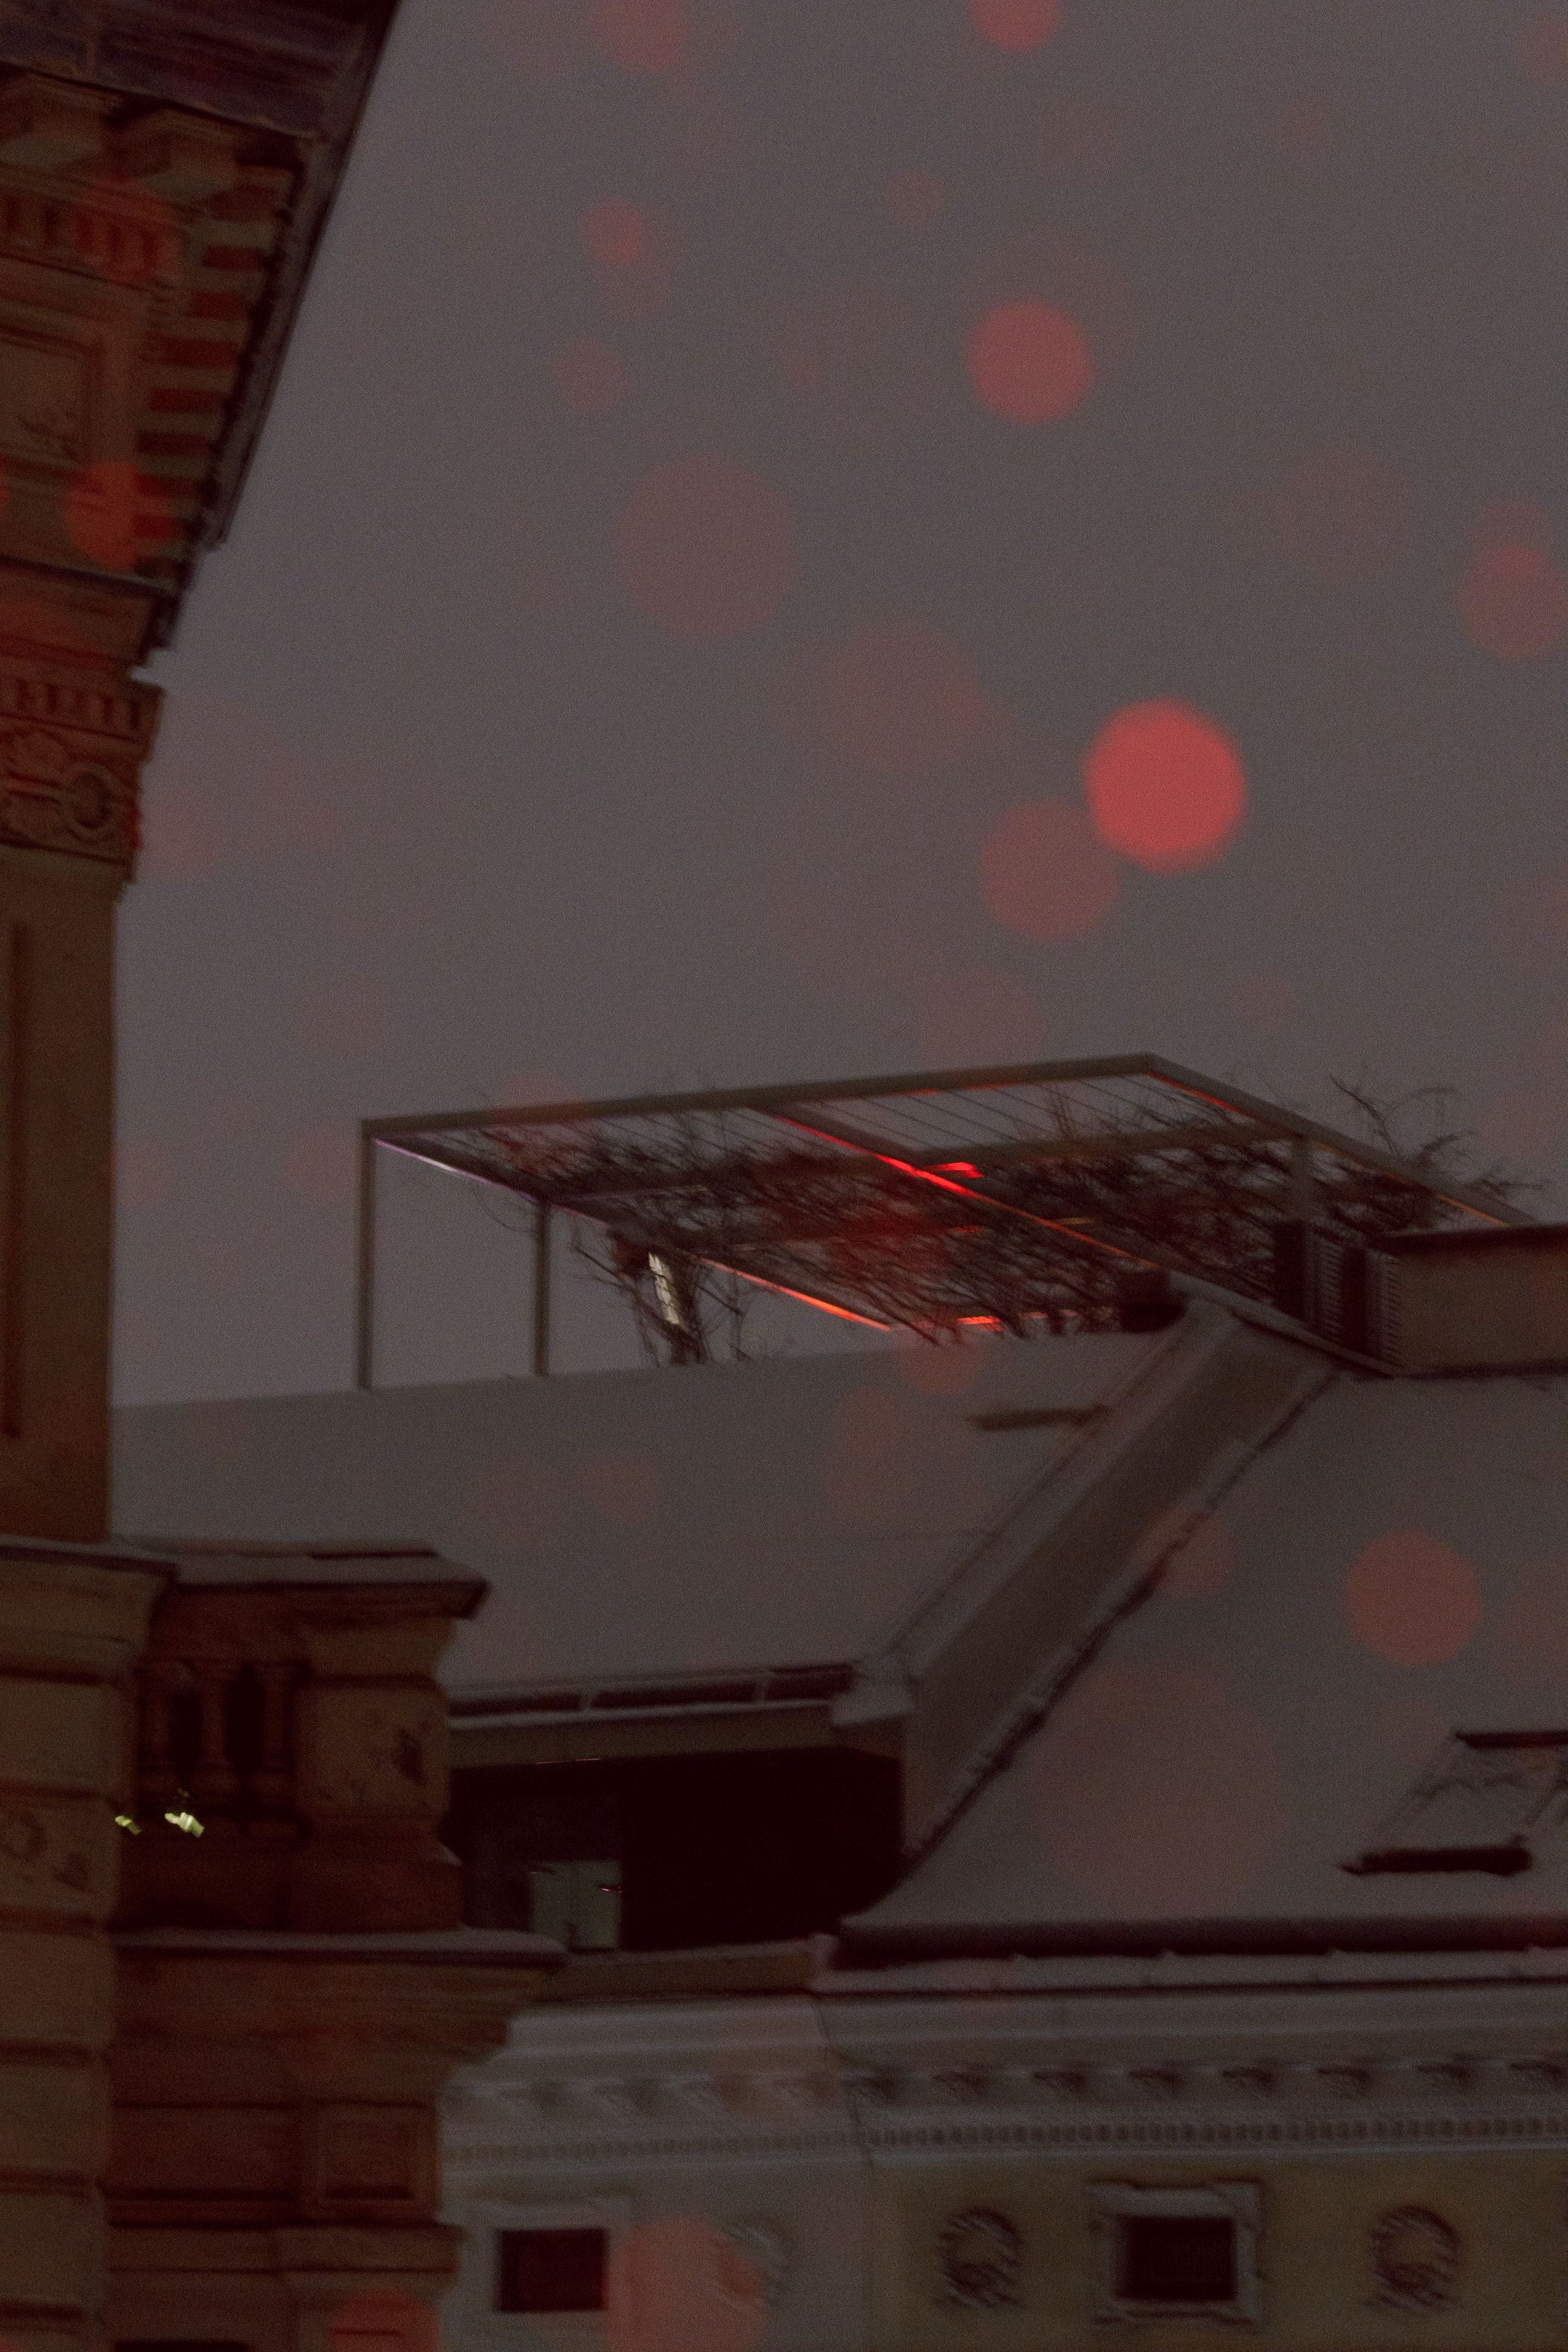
(1415, 2258)
(979, 2257)
(1431, 2102)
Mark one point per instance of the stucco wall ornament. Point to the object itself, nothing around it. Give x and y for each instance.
(978, 2253)
(54, 797)
(751, 2263)
(1415, 2257)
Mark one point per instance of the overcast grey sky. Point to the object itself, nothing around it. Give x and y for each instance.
(737, 460)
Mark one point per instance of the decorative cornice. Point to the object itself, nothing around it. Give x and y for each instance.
(1253, 2103)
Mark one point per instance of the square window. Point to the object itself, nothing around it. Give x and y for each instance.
(1176, 2258)
(551, 2269)
(1189, 2252)
(578, 1902)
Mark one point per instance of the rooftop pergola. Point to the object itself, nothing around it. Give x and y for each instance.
(1004, 1197)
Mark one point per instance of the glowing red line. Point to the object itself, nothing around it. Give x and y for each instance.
(783, 1290)
(967, 1192)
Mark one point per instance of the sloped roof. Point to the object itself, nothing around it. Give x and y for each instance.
(1391, 1569)
(645, 1524)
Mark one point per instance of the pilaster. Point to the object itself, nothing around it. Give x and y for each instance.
(71, 1627)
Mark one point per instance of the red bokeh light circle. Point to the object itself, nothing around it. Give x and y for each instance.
(706, 548)
(914, 199)
(649, 36)
(615, 234)
(945, 1368)
(1156, 1792)
(625, 1488)
(1046, 873)
(539, 39)
(1016, 25)
(978, 1015)
(321, 1164)
(1165, 785)
(903, 698)
(1194, 1549)
(145, 1175)
(1412, 1599)
(590, 375)
(1030, 362)
(1514, 602)
(115, 515)
(678, 2285)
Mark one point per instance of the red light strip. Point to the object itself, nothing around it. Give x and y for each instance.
(967, 1192)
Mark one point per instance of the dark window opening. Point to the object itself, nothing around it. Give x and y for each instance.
(550, 2270)
(675, 1852)
(1176, 2258)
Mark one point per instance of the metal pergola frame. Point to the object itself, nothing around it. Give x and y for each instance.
(991, 1166)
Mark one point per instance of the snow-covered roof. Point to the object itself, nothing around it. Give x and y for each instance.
(1390, 1572)
(647, 1525)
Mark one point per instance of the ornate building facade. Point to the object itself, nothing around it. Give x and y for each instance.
(233, 1972)
(1213, 1982)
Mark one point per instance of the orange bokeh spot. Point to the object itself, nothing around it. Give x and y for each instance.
(625, 1488)
(706, 548)
(1266, 1001)
(1193, 1549)
(1016, 25)
(678, 2285)
(1157, 1793)
(539, 39)
(903, 698)
(914, 199)
(1030, 362)
(1046, 874)
(182, 832)
(615, 234)
(590, 375)
(115, 515)
(145, 1175)
(1514, 602)
(944, 1370)
(1165, 785)
(1343, 513)
(647, 36)
(1542, 48)
(979, 1015)
(322, 1165)
(1412, 1599)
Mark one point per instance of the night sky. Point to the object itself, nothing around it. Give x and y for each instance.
(801, 538)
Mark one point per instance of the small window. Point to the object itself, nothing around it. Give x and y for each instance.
(578, 1902)
(1176, 2258)
(551, 2269)
(1176, 2252)
(1483, 1804)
